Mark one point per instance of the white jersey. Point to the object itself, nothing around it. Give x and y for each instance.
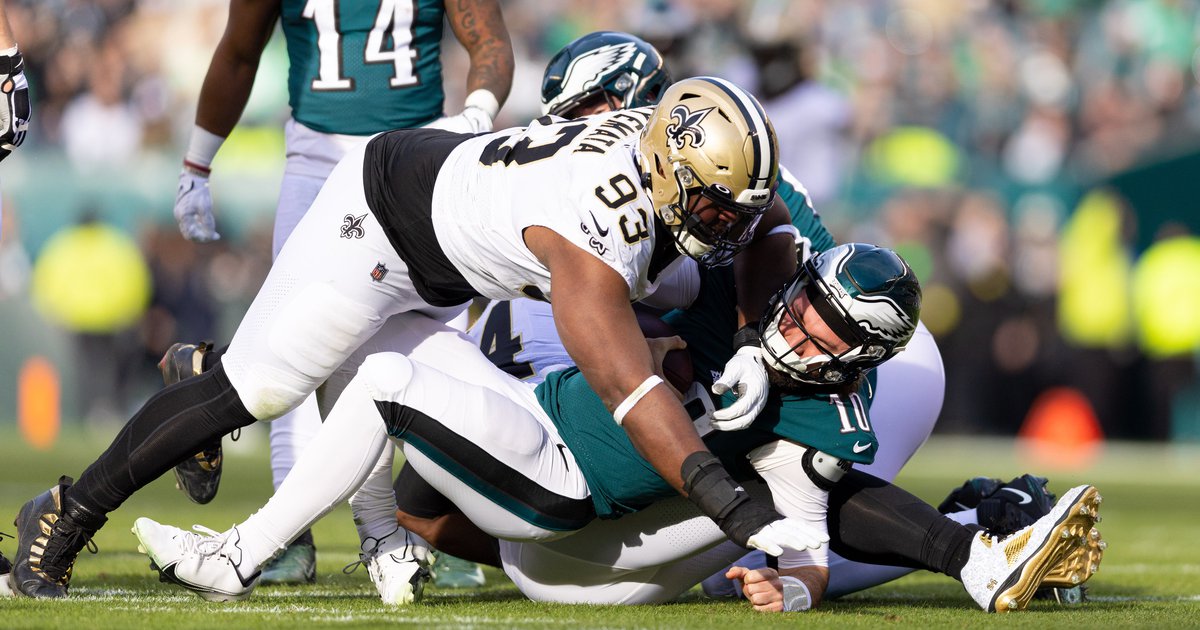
(492, 187)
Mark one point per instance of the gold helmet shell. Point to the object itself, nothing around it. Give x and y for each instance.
(708, 139)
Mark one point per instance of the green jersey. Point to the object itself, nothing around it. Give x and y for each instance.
(804, 217)
(359, 67)
(621, 481)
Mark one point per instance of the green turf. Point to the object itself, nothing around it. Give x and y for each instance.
(1150, 576)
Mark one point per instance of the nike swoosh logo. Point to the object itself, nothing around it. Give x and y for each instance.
(599, 230)
(858, 448)
(1025, 498)
(562, 448)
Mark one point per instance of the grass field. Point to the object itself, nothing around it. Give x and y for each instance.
(1150, 576)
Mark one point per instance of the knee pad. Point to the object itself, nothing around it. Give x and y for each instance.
(386, 376)
(309, 337)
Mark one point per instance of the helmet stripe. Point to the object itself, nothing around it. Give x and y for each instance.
(760, 172)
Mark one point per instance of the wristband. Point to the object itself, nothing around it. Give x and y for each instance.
(710, 487)
(627, 405)
(202, 148)
(796, 596)
(484, 100)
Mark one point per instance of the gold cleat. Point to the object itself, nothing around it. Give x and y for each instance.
(1080, 565)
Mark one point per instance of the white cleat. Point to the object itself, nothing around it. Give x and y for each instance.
(1002, 574)
(204, 563)
(398, 568)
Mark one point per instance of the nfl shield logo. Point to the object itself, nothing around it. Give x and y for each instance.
(379, 272)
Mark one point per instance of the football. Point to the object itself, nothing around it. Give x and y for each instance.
(677, 364)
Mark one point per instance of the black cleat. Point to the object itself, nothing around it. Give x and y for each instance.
(968, 495)
(199, 476)
(1014, 505)
(48, 542)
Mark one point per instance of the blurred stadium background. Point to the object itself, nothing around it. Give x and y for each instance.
(1034, 160)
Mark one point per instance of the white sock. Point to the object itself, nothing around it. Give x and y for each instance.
(336, 463)
(290, 434)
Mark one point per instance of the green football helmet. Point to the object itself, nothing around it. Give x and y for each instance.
(867, 295)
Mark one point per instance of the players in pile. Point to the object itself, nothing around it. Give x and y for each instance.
(444, 218)
(355, 68)
(519, 336)
(463, 459)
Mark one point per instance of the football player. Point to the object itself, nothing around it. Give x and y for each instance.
(409, 228)
(591, 75)
(355, 68)
(548, 461)
(605, 71)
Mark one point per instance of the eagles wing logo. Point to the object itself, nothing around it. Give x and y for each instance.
(586, 71)
(352, 226)
(685, 127)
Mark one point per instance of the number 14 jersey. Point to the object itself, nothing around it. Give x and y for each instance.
(358, 67)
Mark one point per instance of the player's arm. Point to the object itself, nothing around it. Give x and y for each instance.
(234, 64)
(766, 264)
(479, 26)
(600, 331)
(799, 478)
(759, 271)
(223, 97)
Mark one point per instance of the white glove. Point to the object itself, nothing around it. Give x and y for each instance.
(14, 101)
(479, 110)
(787, 533)
(193, 208)
(471, 120)
(745, 375)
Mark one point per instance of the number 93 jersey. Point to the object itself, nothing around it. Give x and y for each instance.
(577, 178)
(358, 67)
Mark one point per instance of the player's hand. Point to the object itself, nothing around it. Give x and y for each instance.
(14, 103)
(193, 208)
(471, 120)
(787, 533)
(745, 375)
(760, 586)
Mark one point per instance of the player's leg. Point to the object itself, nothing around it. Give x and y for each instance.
(907, 403)
(346, 449)
(483, 441)
(311, 156)
(650, 556)
(315, 293)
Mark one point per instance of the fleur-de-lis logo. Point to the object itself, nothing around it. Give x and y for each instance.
(352, 226)
(685, 127)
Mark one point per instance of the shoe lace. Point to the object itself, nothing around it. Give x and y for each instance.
(206, 543)
(65, 542)
(368, 548)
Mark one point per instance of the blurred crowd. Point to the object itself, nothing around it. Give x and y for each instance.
(991, 142)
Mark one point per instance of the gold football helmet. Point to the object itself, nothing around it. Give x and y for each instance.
(711, 162)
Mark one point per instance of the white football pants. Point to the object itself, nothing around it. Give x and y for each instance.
(479, 437)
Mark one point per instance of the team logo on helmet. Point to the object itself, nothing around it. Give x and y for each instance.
(685, 127)
(588, 70)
